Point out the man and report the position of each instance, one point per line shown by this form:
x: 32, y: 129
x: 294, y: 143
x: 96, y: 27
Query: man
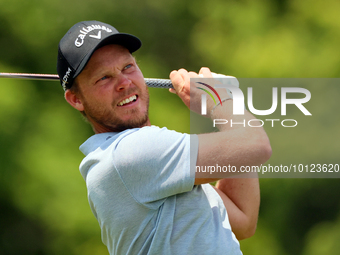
x: 139, y: 177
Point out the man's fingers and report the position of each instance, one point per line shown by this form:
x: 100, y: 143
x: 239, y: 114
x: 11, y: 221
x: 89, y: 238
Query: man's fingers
x: 181, y: 82
x: 176, y: 79
x: 179, y: 79
x: 193, y: 74
x: 171, y: 90
x: 185, y: 76
x: 205, y: 71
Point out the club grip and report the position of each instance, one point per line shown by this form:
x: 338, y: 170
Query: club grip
x: 158, y: 83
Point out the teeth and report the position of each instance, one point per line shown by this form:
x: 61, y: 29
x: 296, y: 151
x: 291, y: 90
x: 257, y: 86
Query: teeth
x: 128, y: 100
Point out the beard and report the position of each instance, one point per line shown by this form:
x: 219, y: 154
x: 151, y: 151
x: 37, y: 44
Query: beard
x: 109, y: 119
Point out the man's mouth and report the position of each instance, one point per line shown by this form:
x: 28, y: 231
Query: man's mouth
x: 128, y: 100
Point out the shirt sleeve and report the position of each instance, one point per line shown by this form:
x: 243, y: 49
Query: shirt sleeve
x: 156, y: 163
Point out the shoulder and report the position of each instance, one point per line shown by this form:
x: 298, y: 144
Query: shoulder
x: 133, y: 138
x: 155, y: 131
x: 151, y: 141
x: 150, y: 136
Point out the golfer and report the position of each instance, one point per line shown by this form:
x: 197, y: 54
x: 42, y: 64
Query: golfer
x: 141, y: 180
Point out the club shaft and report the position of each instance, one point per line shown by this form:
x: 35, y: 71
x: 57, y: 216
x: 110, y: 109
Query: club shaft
x: 150, y: 82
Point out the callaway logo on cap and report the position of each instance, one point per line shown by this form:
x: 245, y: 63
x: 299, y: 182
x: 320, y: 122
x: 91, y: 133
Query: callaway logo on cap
x: 81, y: 41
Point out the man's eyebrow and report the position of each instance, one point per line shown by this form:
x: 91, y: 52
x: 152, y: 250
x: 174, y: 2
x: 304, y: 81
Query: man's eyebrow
x: 130, y: 57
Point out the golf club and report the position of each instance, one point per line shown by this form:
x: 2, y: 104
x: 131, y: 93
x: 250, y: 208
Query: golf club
x: 150, y: 82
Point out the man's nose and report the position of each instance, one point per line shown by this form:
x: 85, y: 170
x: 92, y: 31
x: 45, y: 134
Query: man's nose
x: 123, y: 83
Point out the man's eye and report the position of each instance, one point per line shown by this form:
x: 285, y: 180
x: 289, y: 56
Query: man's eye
x: 128, y: 66
x: 101, y: 79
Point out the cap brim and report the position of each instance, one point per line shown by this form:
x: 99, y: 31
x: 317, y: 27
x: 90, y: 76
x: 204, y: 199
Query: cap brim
x: 132, y: 43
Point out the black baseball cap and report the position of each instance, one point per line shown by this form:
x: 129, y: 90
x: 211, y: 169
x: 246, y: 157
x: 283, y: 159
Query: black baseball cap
x: 81, y: 41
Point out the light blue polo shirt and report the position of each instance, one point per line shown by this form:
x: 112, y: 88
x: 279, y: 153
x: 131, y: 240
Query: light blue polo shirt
x: 142, y: 193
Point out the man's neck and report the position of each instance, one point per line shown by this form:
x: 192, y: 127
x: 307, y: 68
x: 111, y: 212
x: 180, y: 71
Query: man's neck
x: 98, y: 128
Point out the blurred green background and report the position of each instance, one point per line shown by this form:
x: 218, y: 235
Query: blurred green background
x: 43, y: 203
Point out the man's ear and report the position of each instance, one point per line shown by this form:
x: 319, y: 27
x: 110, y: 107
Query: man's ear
x: 74, y: 100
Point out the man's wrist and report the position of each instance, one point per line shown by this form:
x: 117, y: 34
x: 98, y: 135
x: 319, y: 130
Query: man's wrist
x: 219, y: 103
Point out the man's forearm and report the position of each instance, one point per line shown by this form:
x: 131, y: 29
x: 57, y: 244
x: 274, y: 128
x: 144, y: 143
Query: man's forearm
x: 237, y: 146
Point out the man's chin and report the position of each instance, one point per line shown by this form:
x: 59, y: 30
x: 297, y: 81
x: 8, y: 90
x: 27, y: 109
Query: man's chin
x: 113, y: 122
x: 121, y: 125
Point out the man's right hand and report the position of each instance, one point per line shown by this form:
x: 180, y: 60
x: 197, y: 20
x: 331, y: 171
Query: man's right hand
x: 181, y: 81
